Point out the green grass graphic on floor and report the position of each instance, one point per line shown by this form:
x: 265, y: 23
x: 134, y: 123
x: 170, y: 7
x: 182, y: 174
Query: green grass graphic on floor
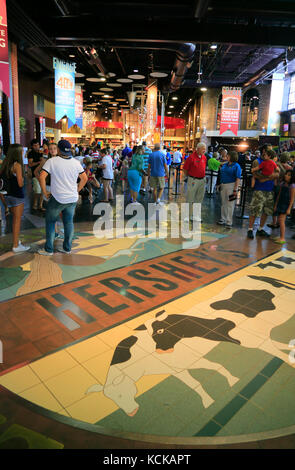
x: 173, y: 409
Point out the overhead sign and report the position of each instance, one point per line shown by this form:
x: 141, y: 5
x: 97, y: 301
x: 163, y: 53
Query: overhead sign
x: 4, y: 61
x: 108, y: 125
x: 230, y: 111
x: 64, y: 90
x: 79, y: 106
x: 151, y: 111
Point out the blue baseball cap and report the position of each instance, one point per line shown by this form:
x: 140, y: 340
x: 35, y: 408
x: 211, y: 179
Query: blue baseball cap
x: 65, y: 148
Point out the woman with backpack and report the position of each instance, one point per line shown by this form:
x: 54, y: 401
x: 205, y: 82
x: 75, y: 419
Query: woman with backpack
x: 12, y: 174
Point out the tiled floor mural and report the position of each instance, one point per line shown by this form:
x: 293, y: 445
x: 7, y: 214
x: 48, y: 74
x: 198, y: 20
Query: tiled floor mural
x: 214, y: 361
x: 30, y: 272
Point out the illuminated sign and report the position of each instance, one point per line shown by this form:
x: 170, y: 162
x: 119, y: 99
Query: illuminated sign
x: 79, y: 107
x: 64, y: 91
x: 4, y: 61
x: 275, y: 105
x: 230, y: 111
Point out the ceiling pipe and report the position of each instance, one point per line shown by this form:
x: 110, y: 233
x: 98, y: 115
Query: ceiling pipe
x: 184, y: 60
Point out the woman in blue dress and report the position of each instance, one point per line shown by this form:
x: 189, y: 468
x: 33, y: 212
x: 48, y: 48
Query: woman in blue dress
x: 135, y: 173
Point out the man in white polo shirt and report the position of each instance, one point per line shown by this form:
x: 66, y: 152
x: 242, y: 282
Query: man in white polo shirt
x: 64, y: 171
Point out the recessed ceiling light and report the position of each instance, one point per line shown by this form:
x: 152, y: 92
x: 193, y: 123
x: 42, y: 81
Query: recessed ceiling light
x: 135, y: 70
x: 106, y: 89
x: 72, y: 55
x: 98, y: 93
x: 124, y: 80
x: 169, y: 112
x: 115, y: 85
x: 79, y: 75
x: 158, y: 74
x: 204, y: 89
x: 171, y: 106
x: 213, y: 46
x: 175, y: 97
x: 93, y: 79
x: 136, y: 77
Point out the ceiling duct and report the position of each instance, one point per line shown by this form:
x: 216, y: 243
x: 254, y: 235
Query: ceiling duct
x: 131, y: 98
x: 184, y: 60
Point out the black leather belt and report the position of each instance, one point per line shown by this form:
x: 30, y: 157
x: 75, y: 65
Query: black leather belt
x: 196, y: 178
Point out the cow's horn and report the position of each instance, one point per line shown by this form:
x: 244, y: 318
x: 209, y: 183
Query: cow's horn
x: 149, y: 322
x: 94, y: 388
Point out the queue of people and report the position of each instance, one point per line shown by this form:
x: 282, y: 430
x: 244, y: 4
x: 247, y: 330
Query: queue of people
x: 60, y: 175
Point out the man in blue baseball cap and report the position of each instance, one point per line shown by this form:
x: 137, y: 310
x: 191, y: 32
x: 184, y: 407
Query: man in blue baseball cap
x: 64, y: 172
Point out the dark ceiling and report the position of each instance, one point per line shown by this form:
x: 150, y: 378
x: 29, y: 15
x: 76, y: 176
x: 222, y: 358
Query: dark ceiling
x: 252, y: 39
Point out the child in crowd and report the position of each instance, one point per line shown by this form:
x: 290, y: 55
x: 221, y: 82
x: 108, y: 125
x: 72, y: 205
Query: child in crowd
x: 266, y: 168
x: 285, y: 196
x: 92, y: 181
x: 124, y: 174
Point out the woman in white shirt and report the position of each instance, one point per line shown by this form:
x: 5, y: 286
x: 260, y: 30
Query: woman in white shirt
x: 108, y: 175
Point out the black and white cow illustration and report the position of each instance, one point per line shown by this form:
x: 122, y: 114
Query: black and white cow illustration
x: 176, y: 343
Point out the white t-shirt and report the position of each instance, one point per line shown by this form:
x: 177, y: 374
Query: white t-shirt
x: 108, y: 172
x: 64, y: 173
x: 177, y: 157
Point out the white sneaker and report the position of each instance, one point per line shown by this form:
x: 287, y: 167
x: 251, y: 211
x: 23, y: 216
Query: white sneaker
x: 61, y: 250
x: 20, y: 248
x: 44, y: 252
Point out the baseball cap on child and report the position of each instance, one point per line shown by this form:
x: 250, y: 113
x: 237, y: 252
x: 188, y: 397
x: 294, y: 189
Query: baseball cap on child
x: 65, y: 148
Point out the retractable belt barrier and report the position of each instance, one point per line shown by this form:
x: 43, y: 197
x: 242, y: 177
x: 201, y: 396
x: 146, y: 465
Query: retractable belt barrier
x: 177, y: 167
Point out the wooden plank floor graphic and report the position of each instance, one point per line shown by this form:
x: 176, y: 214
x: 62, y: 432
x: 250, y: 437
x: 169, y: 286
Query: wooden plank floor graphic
x: 216, y: 361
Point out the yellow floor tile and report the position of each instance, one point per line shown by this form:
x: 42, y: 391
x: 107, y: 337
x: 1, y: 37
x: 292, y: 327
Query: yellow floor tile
x: 99, y: 366
x: 114, y: 336
x: 133, y: 324
x: 19, y: 379
x: 92, y: 408
x: 70, y: 387
x: 40, y: 395
x: 87, y: 349
x: 53, y: 365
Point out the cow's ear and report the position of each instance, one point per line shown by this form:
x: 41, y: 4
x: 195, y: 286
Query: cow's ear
x: 141, y: 327
x: 160, y: 313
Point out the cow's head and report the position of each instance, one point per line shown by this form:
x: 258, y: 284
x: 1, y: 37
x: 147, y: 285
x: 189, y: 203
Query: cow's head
x: 158, y: 329
x: 122, y: 391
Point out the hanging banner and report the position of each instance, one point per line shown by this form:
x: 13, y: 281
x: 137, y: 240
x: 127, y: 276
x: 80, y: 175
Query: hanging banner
x: 64, y: 90
x: 151, y: 112
x: 79, y: 106
x: 230, y: 111
x: 171, y: 122
x: 108, y: 125
x: 4, y: 60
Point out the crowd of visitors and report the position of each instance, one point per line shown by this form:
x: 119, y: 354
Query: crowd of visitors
x: 61, y: 174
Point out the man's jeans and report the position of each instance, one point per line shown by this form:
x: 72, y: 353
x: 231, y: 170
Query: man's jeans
x: 53, y: 210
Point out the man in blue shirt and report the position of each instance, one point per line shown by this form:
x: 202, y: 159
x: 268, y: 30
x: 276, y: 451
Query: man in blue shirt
x: 157, y: 169
x: 262, y: 203
x: 126, y: 151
